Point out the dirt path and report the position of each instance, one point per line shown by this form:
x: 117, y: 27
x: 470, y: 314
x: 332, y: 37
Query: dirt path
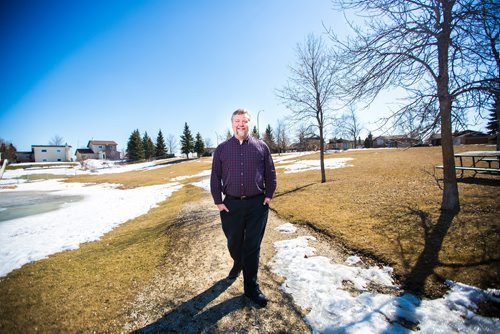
x: 190, y: 295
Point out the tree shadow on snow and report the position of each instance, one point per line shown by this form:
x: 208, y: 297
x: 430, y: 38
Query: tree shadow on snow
x: 190, y: 317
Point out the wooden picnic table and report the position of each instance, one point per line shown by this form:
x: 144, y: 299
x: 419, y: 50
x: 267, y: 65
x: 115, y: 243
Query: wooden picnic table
x: 489, y: 157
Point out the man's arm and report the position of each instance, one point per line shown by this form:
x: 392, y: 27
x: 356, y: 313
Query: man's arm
x: 215, y: 181
x: 270, y: 176
x: 216, y: 177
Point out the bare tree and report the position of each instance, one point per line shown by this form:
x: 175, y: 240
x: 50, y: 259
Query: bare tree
x: 410, y: 126
x: 208, y: 143
x: 349, y: 124
x: 419, y: 45
x: 282, y: 139
x: 171, y: 142
x: 311, y: 88
x: 56, y: 140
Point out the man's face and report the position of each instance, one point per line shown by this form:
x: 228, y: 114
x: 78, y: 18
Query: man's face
x: 240, y: 126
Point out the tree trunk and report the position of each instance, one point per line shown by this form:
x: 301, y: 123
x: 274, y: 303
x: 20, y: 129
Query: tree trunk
x: 450, y: 201
x: 322, y: 154
x: 497, y: 107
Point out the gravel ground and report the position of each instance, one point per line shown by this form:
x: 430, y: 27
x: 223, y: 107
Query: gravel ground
x: 189, y: 293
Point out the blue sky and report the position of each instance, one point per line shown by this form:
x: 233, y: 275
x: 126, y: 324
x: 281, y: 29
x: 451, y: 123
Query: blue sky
x: 93, y: 69
x: 100, y: 69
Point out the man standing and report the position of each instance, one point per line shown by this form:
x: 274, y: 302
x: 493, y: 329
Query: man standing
x: 243, y: 170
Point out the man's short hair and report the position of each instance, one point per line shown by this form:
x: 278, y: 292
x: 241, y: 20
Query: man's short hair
x: 241, y: 111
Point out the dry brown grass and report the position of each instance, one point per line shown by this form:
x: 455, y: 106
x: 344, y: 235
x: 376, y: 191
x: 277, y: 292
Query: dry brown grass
x: 88, y: 289
x: 149, y: 177
x: 386, y: 206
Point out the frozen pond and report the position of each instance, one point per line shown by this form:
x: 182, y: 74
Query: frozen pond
x: 18, y: 204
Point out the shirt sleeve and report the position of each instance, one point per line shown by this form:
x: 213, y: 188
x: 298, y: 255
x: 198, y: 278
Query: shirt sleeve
x: 216, y: 177
x: 270, y: 174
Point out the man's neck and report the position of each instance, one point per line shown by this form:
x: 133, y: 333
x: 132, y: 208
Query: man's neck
x: 241, y: 139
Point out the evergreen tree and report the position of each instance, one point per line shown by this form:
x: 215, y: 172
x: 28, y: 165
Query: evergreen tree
x: 161, y: 148
x: 369, y: 141
x: 269, y: 138
x: 255, y: 133
x: 8, y: 151
x: 228, y: 134
x: 492, y: 125
x: 187, y: 141
x: 199, y: 145
x: 149, y: 147
x: 135, y: 149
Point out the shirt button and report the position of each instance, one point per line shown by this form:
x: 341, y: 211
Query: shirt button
x: 241, y: 174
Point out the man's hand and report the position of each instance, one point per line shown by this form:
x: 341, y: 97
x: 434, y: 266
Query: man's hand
x: 266, y: 201
x: 222, y: 207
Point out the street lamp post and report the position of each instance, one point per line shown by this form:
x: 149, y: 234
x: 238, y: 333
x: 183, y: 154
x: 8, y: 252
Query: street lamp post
x: 258, y: 128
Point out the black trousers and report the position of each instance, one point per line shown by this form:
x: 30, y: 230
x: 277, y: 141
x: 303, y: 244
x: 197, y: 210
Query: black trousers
x: 244, y: 227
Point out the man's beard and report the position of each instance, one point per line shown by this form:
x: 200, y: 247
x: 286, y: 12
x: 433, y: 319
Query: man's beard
x: 241, y: 134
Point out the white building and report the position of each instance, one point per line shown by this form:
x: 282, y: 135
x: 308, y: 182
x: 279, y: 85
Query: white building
x: 51, y: 153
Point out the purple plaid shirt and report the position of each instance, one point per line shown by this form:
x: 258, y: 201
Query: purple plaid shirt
x: 245, y: 169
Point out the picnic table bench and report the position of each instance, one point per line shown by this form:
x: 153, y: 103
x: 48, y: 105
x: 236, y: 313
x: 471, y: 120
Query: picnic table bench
x: 492, y: 158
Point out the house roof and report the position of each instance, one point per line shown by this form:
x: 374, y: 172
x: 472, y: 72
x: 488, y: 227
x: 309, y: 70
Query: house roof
x: 102, y: 142
x: 469, y: 133
x: 84, y: 151
x: 50, y: 146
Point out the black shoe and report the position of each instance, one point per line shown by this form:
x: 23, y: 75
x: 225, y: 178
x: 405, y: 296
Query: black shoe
x: 234, y: 273
x: 257, y: 297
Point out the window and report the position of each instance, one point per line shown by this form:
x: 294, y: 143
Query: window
x: 58, y: 159
x: 44, y: 151
x: 58, y: 150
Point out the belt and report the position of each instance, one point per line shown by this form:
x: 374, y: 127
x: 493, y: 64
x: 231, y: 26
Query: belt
x: 243, y: 197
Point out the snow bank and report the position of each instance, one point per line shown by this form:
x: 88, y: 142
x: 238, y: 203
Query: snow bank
x: 104, y: 207
x: 339, y: 298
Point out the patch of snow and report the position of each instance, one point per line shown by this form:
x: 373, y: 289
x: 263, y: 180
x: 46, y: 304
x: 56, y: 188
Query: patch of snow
x: 278, y: 158
x: 104, y: 207
x: 204, y: 184
x: 318, y: 285
x: 89, y: 166
x: 200, y: 174
x: 296, y: 166
x: 352, y: 260
x: 286, y: 228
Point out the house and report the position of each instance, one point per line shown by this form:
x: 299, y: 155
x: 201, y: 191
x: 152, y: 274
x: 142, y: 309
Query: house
x: 25, y: 156
x: 340, y: 144
x: 394, y: 141
x: 98, y: 149
x: 307, y: 144
x: 51, y: 153
x: 435, y: 139
x: 465, y: 137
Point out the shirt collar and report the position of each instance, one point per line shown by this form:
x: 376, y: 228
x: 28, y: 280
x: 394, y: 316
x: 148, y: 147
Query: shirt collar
x: 244, y: 141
